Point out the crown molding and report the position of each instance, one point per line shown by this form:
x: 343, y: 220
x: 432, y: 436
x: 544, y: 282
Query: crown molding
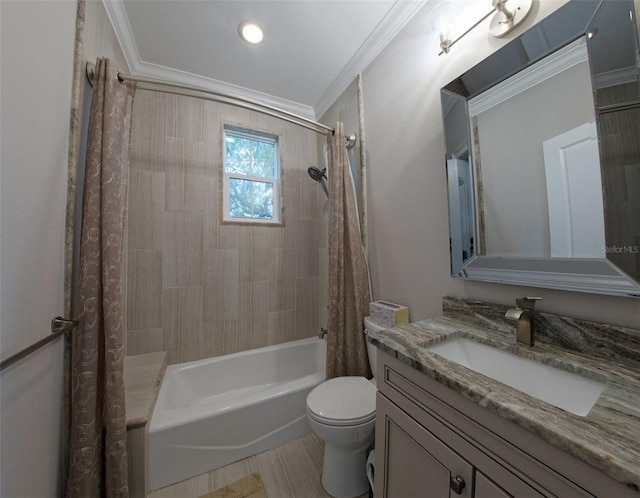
x: 546, y: 68
x: 120, y: 22
x: 195, y: 80
x: 616, y: 77
x: 397, y: 17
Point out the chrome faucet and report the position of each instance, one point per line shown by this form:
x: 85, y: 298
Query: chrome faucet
x: 523, y: 314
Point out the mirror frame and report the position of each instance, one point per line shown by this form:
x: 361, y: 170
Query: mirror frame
x: 592, y: 275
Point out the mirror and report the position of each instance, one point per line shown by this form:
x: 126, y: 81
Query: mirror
x: 542, y: 143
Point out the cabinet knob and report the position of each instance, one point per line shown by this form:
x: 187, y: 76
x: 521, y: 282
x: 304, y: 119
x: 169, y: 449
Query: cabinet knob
x: 457, y: 484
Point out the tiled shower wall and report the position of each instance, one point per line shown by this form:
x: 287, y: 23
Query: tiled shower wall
x: 620, y: 141
x: 198, y: 288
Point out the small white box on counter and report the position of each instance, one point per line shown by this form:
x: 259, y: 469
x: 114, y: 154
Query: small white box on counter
x: 388, y: 314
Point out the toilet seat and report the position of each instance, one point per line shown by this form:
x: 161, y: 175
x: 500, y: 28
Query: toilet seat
x: 343, y: 401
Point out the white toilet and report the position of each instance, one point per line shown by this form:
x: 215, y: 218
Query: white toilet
x: 342, y: 412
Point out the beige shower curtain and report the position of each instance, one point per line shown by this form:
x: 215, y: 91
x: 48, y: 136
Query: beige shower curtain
x: 348, y: 274
x: 97, y: 446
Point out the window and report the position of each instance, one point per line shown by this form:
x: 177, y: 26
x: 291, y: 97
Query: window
x: 251, y: 176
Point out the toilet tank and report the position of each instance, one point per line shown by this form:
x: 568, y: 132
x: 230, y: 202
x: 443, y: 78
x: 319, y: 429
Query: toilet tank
x: 371, y: 349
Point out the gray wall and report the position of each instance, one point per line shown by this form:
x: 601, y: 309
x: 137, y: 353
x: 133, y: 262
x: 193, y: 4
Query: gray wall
x: 36, y: 80
x: 36, y: 99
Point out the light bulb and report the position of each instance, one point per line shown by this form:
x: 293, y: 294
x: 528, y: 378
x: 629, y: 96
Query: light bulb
x: 251, y: 31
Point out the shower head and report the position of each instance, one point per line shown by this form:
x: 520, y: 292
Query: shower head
x: 318, y: 176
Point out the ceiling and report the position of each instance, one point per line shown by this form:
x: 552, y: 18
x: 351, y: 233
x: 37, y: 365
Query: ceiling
x: 313, y: 49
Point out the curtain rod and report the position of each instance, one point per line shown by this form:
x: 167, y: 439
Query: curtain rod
x: 202, y: 93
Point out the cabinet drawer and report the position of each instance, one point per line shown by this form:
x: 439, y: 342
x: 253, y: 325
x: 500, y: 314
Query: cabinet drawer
x: 486, y: 488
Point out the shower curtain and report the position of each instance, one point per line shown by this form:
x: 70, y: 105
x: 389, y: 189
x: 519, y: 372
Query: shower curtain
x: 348, y: 273
x: 98, y: 432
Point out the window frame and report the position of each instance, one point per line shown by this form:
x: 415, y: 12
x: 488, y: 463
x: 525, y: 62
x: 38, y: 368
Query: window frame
x: 275, y: 182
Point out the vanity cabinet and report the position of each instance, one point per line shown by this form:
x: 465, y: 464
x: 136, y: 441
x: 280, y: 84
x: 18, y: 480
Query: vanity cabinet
x: 434, y: 443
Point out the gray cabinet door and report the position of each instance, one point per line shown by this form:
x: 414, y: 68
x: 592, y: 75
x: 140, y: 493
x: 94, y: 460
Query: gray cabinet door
x: 416, y: 464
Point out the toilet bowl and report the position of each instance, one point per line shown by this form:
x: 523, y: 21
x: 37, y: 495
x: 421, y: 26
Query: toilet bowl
x: 342, y: 412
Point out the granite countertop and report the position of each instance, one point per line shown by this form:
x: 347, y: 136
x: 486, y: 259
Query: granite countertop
x: 606, y: 438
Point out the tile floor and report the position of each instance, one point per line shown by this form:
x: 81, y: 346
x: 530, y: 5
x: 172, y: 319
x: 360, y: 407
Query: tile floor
x: 288, y: 471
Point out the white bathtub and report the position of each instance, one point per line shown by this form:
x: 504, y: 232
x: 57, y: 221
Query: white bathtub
x: 212, y: 412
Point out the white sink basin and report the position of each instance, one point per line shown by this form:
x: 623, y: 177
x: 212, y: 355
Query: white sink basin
x: 569, y: 391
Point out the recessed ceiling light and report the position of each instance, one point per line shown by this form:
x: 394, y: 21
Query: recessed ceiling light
x: 251, y: 31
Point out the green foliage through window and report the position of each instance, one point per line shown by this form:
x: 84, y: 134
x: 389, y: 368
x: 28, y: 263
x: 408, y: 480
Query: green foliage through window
x: 250, y: 199
x: 251, y: 175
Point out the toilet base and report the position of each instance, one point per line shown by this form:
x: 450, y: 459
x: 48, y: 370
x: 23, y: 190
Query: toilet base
x: 344, y: 472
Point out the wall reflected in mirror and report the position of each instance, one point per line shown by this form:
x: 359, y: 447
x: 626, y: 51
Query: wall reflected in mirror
x: 536, y: 151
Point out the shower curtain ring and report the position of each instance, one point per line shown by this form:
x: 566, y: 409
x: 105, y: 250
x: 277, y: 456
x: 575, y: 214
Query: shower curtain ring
x: 350, y: 140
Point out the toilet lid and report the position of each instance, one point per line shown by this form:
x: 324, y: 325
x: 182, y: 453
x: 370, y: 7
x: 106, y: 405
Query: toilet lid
x: 343, y: 401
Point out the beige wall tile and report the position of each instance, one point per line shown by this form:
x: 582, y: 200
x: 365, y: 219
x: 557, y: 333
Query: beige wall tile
x: 245, y: 317
x: 264, y: 244
x: 184, y: 117
x: 306, y: 245
x: 238, y: 237
x: 144, y: 289
x: 307, y: 308
x: 282, y: 294
x: 323, y: 288
x: 229, y: 236
x: 184, y: 175
x: 231, y: 336
x: 283, y: 264
x: 281, y: 327
x: 211, y: 216
x: 182, y: 323
x: 146, y: 209
x: 258, y: 311
x: 213, y: 338
x: 306, y: 198
x: 245, y: 253
x: 289, y: 228
x: 221, y: 280
x: 148, y: 132
x: 212, y: 136
x: 182, y: 249
x: 261, y: 259
x: 144, y: 341
x: 194, y: 167
x: 221, y: 337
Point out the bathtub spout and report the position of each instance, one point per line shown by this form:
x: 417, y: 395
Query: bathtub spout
x: 322, y: 333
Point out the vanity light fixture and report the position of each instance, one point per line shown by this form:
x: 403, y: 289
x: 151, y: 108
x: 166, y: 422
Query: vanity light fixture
x: 507, y: 15
x: 251, y: 31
